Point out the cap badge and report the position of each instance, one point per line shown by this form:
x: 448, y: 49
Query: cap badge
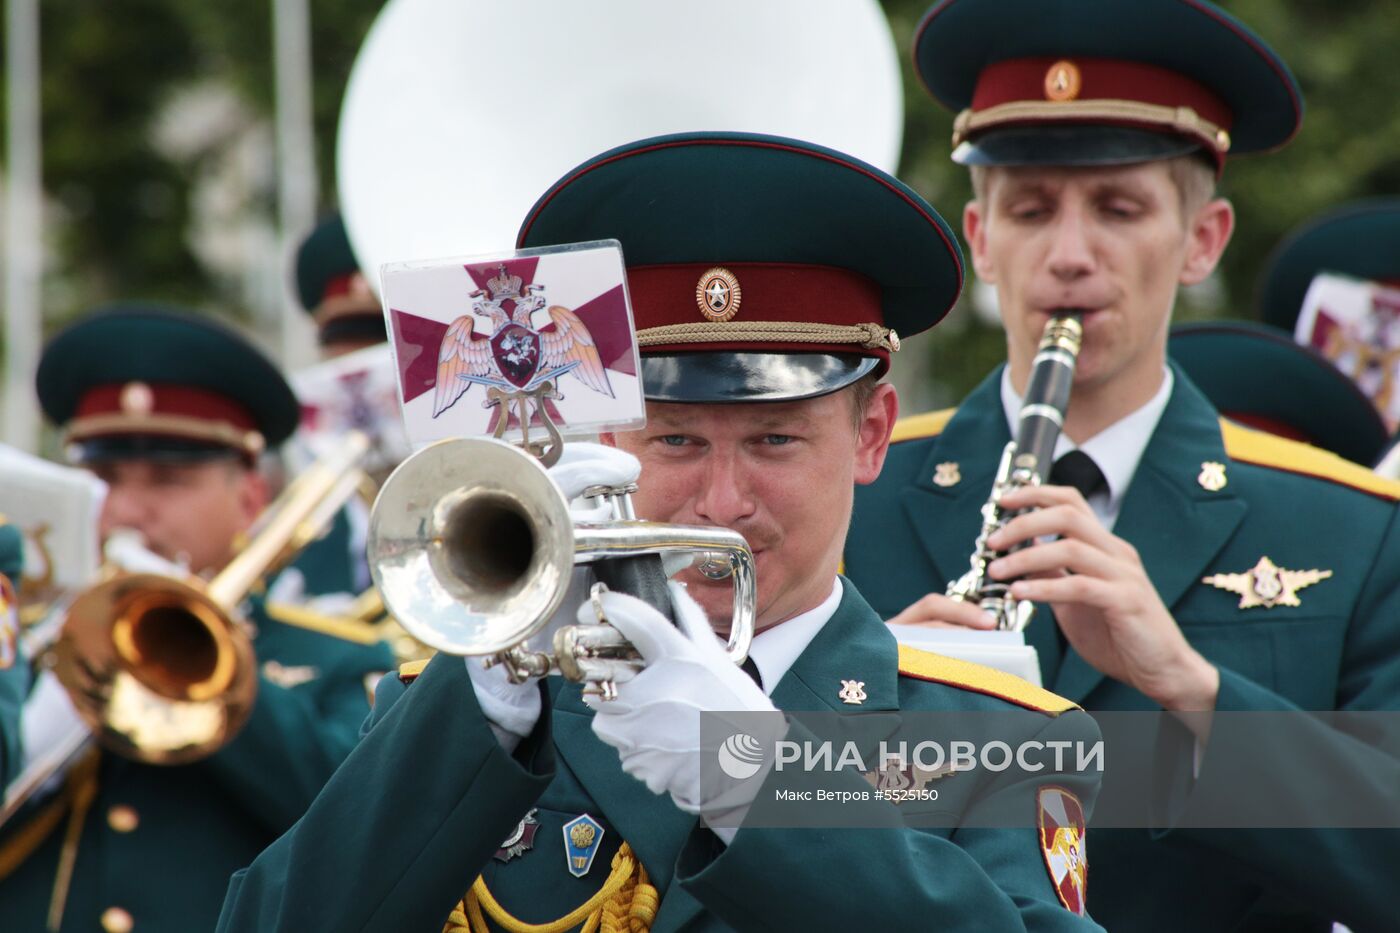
x: 947, y: 474
x: 718, y: 293
x: 1267, y: 584
x: 1063, y: 81
x: 137, y: 399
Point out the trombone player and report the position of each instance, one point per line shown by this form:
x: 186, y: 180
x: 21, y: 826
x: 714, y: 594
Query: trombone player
x: 173, y: 411
x: 762, y: 420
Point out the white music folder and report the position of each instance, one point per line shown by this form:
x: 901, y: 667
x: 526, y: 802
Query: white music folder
x: 1005, y: 651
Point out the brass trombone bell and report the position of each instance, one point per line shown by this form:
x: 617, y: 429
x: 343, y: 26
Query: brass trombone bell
x: 158, y: 671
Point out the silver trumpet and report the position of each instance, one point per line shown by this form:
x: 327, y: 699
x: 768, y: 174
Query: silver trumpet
x: 472, y: 547
x: 1025, y: 461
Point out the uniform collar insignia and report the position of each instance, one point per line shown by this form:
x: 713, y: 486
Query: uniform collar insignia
x: 289, y: 675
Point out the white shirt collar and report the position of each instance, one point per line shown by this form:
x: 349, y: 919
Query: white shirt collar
x: 1117, y: 449
x: 776, y: 649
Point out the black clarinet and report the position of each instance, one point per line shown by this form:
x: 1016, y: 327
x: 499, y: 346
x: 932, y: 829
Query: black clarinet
x: 1026, y: 461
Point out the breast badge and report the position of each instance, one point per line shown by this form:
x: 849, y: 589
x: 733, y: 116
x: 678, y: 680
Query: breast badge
x: 1266, y: 584
x: 520, y: 841
x: 583, y: 835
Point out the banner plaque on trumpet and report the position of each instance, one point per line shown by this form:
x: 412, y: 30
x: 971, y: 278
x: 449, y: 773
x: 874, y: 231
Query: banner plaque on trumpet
x: 488, y: 344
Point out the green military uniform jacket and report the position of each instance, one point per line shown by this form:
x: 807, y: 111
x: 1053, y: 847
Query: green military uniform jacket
x: 417, y: 811
x: 14, y: 673
x: 1338, y: 649
x: 158, y: 843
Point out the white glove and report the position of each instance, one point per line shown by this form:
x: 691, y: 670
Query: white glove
x: 513, y: 709
x: 655, y: 722
x: 581, y: 465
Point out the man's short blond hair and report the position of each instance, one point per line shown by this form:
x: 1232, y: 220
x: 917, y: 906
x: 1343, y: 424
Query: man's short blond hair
x: 860, y: 393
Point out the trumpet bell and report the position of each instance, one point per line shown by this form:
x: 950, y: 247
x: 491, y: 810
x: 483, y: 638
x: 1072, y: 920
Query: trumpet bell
x: 488, y: 562
x: 157, y: 670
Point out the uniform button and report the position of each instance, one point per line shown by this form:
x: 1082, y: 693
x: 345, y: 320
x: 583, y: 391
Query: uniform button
x: 123, y: 819
x: 116, y: 920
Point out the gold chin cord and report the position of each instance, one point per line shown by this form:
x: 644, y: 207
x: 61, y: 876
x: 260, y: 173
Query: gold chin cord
x: 160, y: 668
x: 1025, y: 461
x: 473, y: 547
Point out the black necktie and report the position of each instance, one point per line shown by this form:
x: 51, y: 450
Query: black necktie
x: 1079, y: 470
x: 750, y: 668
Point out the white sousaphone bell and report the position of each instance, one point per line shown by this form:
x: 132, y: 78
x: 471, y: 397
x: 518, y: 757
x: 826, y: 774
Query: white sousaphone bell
x: 458, y: 114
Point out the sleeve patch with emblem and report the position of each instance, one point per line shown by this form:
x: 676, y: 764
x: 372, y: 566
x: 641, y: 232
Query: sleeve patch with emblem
x: 1060, y: 818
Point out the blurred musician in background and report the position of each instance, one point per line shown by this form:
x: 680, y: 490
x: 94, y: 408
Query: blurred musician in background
x: 352, y: 387
x: 173, y: 411
x: 1260, y: 377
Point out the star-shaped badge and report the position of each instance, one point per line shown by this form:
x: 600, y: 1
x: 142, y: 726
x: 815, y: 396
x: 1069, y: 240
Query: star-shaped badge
x: 1267, y: 584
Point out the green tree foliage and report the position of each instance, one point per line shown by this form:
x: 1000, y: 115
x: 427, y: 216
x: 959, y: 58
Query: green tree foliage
x: 121, y: 208
x: 123, y: 219
x: 239, y: 38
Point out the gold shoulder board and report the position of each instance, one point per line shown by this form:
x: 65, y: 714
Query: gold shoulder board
x: 929, y: 424
x: 1268, y: 450
x: 937, y: 668
x: 360, y: 633
x: 409, y: 670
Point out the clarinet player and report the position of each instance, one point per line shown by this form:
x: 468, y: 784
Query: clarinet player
x: 1173, y: 546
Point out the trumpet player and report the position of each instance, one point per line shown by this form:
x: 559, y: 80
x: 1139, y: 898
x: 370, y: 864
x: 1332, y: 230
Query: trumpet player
x: 172, y: 411
x: 1095, y: 134
x: 768, y: 277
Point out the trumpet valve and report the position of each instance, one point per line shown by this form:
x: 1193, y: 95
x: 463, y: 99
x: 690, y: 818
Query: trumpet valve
x: 604, y: 690
x: 617, y: 498
x: 520, y: 664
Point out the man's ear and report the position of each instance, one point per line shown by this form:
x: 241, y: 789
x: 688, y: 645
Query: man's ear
x: 975, y: 232
x: 253, y: 493
x: 873, y: 433
x: 1207, y: 236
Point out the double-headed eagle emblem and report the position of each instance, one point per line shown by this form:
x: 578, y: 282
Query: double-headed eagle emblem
x: 513, y: 340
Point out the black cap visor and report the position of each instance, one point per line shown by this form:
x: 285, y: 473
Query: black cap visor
x: 153, y: 447
x: 1072, y: 146
x: 749, y: 377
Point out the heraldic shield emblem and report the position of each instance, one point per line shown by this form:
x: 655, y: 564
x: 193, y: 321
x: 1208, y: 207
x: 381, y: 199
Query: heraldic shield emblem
x: 1062, y: 826
x: 516, y: 351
